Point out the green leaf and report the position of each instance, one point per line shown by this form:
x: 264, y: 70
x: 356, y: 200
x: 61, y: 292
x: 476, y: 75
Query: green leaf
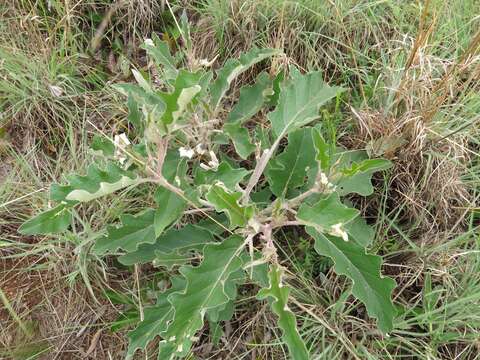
x: 228, y: 202
x: 134, y: 115
x: 286, y: 318
x: 160, y: 52
x: 225, y: 174
x: 363, y: 269
x: 322, y: 150
x: 102, y: 146
x: 95, y: 184
x: 356, y: 172
x: 251, y: 100
x: 51, y: 221
x: 360, y: 231
x: 171, y: 259
x: 326, y: 213
x: 135, y: 230
x: 186, y: 87
x: 288, y: 170
x: 170, y: 208
x: 189, y: 237
x: 155, y: 320
x: 299, y: 103
x: 205, y: 290
x: 233, y: 68
x: 142, y: 82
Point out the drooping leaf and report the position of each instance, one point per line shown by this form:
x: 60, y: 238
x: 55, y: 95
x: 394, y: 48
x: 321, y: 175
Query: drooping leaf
x: 240, y: 139
x: 299, y: 103
x: 288, y: 170
x: 186, y: 87
x: 233, y: 68
x: 95, y: 184
x: 135, y: 230
x: 155, y: 320
x: 228, y: 202
x: 363, y: 269
x: 190, y: 237
x: 225, y: 174
x: 286, y: 318
x: 326, y: 213
x: 205, y: 290
x: 52, y: 221
x: 170, y: 208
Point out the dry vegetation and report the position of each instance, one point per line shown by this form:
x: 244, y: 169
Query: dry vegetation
x: 413, y: 73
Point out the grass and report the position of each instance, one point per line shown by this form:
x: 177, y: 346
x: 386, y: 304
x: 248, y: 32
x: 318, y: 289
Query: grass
x: 412, y: 70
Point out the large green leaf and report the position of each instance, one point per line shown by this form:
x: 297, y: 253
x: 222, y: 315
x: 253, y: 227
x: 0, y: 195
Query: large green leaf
x: 233, y: 68
x: 190, y: 237
x: 228, y: 202
x: 95, y: 184
x: 251, y: 100
x: 363, y: 269
x: 288, y: 170
x: 51, y: 221
x: 286, y: 318
x: 326, y: 213
x: 205, y: 290
x: 299, y: 103
x: 135, y: 230
x: 155, y: 320
x: 160, y: 53
x: 225, y: 173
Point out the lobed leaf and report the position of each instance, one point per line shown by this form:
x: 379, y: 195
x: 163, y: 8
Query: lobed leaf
x: 299, y: 103
x: 190, y: 237
x: 225, y: 174
x: 233, y: 68
x: 363, y: 269
x: 286, y: 318
x: 228, y: 202
x: 170, y: 208
x: 205, y: 290
x: 288, y: 170
x: 95, y: 184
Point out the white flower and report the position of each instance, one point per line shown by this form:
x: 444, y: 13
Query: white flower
x: 214, y: 162
x: 121, y: 142
x: 149, y: 42
x: 337, y: 230
x: 55, y: 90
x: 186, y: 152
x: 324, y: 179
x: 199, y: 149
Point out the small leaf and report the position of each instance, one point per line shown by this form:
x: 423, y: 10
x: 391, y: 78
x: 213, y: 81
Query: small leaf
x: 227, y: 202
x: 299, y: 103
x: 141, y: 81
x: 187, y: 238
x: 135, y: 230
x: 160, y: 52
x: 357, y: 177
x: 170, y: 208
x: 204, y: 291
x: 155, y: 320
x: 225, y: 174
x: 134, y: 115
x: 322, y: 149
x: 364, y: 270
x: 102, y: 145
x: 95, y: 184
x: 240, y: 139
x: 288, y: 170
x: 233, y: 68
x: 326, y: 213
x: 186, y: 87
x: 52, y: 221
x: 286, y: 318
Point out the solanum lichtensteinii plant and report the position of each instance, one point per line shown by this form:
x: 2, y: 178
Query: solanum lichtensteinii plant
x: 182, y: 132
